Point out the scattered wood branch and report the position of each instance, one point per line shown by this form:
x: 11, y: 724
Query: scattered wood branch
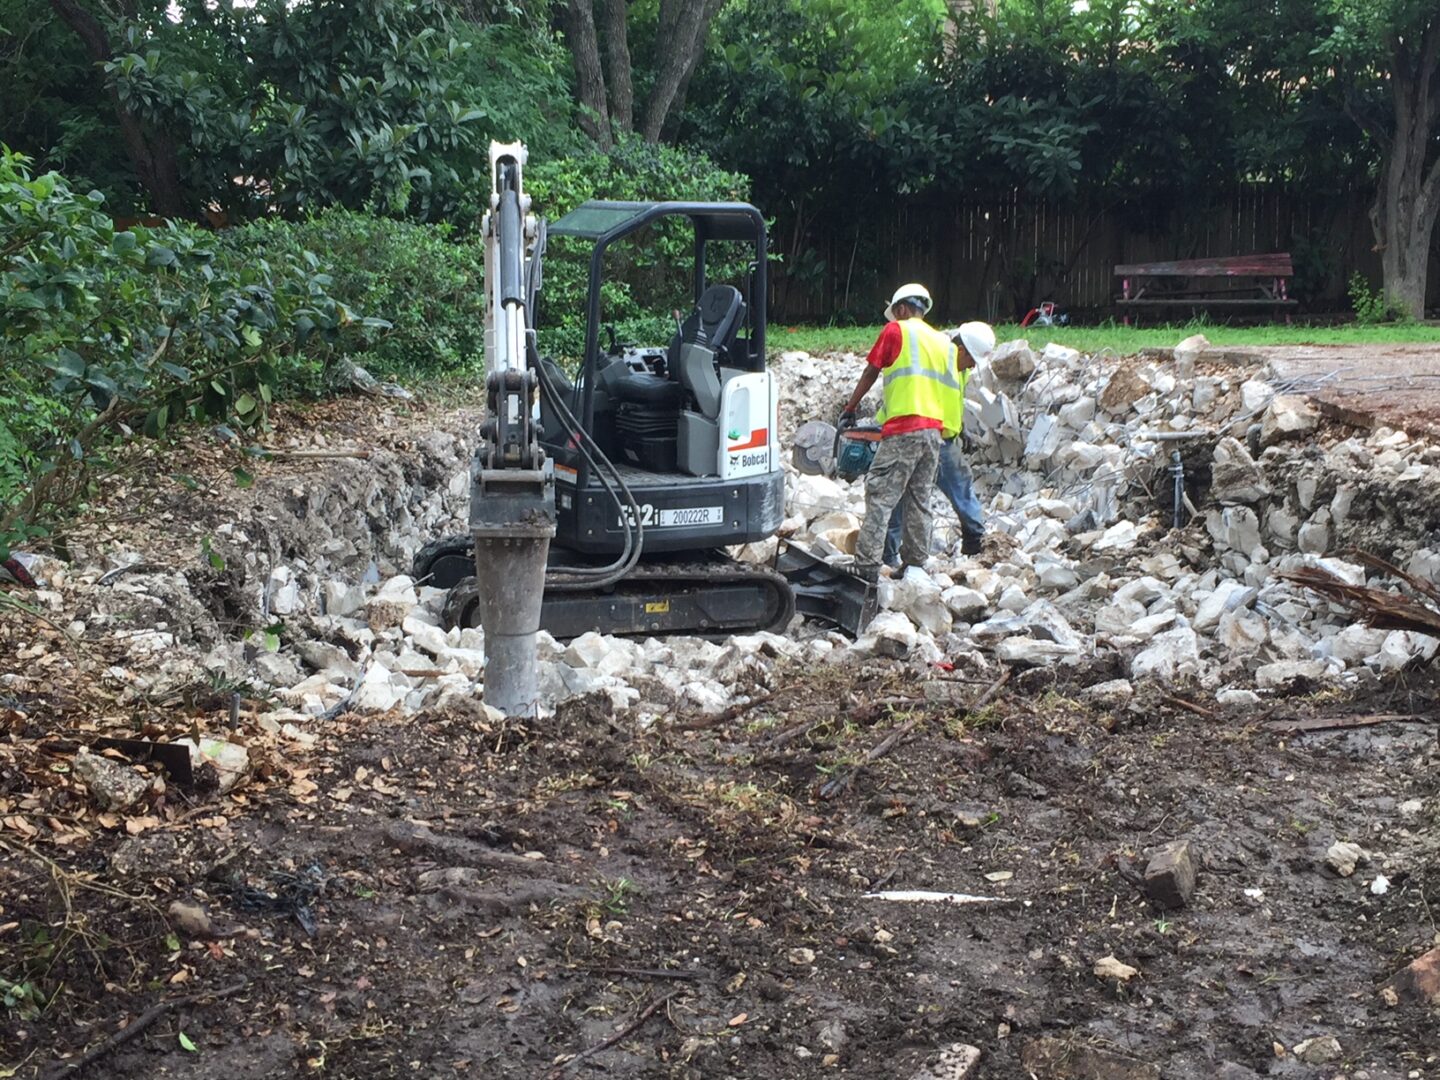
x: 1420, y: 585
x: 1378, y: 608
x: 842, y: 781
x: 624, y: 1033
x: 734, y: 712
x: 134, y: 1030
x: 642, y: 973
x: 455, y: 850
x: 1340, y: 723
x: 315, y: 455
x: 1188, y: 706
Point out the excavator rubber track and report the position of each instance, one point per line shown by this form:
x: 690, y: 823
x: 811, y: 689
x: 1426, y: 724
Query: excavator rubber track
x: 714, y: 596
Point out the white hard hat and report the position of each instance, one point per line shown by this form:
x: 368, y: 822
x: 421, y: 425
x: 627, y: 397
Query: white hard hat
x: 978, y: 339
x: 914, y: 292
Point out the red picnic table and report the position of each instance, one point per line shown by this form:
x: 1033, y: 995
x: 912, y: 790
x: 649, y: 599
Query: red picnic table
x: 1233, y: 281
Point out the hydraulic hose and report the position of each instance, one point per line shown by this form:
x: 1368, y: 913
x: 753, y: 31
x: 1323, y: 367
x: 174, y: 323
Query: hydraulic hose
x: 614, y: 485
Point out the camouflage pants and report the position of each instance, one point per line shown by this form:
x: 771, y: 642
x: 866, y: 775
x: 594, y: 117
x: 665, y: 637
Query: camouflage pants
x: 902, y: 474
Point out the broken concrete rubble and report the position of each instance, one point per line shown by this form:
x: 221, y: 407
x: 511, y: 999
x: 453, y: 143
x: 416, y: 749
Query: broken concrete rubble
x: 1170, y: 875
x: 115, y: 785
x: 1070, y: 457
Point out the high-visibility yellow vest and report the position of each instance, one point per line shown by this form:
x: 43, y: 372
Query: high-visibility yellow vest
x: 923, y: 380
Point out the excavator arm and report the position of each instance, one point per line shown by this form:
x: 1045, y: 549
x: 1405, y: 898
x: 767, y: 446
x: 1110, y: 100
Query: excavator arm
x: 512, y: 493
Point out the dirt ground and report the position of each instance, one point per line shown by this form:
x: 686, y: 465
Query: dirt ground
x: 444, y: 896
x: 1366, y: 385
x: 488, y: 900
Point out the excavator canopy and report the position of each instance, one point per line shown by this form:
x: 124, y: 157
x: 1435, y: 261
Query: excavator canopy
x: 605, y: 221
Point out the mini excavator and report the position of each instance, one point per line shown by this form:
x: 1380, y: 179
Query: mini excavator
x: 606, y: 502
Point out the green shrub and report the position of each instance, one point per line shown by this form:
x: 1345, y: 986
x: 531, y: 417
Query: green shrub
x: 105, y: 332
x: 428, y: 283
x: 1373, y: 308
x: 647, y: 275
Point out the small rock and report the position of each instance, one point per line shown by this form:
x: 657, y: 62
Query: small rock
x: 282, y: 592
x: 1013, y: 360
x: 957, y: 1061
x: 890, y: 633
x: 191, y: 919
x: 277, y: 669
x: 1318, y: 1051
x: 1113, y: 693
x: 1282, y: 673
x: 1028, y: 651
x: 1288, y: 417
x: 1172, y: 655
x: 389, y: 607
x: 1122, y: 391
x: 833, y: 1036
x: 1229, y: 1070
x: 343, y: 599
x: 801, y: 957
x: 1107, y: 967
x: 1235, y: 476
x: 1411, y: 807
x: 1343, y: 857
x: 1419, y: 981
x: 1236, y: 698
x: 230, y: 762
x: 1170, y: 875
x: 322, y: 656
x: 115, y: 786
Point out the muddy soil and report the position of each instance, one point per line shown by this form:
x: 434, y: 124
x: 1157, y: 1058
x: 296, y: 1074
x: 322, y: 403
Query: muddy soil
x: 446, y: 896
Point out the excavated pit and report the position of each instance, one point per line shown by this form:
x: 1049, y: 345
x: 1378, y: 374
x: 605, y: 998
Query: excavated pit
x: 298, y: 589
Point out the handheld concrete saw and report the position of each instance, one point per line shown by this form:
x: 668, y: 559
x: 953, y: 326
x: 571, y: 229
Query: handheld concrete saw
x: 822, y: 450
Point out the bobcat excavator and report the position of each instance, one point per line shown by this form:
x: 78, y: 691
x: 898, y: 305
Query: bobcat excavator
x: 605, y: 502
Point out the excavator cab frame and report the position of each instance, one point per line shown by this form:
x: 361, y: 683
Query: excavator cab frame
x: 692, y: 424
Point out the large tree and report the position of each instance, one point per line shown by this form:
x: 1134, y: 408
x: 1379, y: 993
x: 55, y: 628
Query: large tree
x: 605, y: 85
x: 151, y: 151
x: 1394, y: 46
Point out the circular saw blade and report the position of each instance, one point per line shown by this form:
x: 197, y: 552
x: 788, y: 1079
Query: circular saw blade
x: 813, y: 448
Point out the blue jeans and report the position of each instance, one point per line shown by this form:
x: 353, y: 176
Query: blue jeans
x: 955, y: 480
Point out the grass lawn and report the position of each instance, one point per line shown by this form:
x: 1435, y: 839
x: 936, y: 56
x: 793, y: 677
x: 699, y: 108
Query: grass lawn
x: 1124, y: 339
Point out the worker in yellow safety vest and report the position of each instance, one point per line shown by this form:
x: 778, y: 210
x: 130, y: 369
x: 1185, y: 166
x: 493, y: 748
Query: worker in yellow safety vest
x: 924, y: 404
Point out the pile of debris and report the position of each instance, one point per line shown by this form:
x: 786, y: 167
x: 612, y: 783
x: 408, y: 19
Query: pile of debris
x: 1156, y: 508
x: 1149, y: 518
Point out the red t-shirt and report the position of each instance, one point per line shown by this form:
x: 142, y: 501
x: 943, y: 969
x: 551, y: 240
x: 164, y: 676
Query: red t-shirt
x: 882, y: 354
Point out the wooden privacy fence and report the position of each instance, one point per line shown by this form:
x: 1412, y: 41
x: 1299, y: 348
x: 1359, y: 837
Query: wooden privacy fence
x: 997, y: 258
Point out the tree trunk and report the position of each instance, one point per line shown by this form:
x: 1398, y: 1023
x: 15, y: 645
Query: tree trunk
x: 152, y: 156
x: 578, y: 20
x: 1408, y: 199
x: 679, y: 42
x: 617, y: 52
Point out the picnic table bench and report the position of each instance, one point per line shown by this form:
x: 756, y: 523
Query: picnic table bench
x: 1243, y: 280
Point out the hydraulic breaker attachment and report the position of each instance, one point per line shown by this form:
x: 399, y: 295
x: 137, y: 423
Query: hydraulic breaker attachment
x: 512, y: 489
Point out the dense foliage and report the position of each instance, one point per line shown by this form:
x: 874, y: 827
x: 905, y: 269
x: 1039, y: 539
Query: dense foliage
x: 106, y: 332
x: 426, y: 280
x: 277, y: 105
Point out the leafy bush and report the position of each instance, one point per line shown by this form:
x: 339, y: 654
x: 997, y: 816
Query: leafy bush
x: 428, y: 283
x: 646, y: 275
x: 1372, y: 308
x: 103, y: 332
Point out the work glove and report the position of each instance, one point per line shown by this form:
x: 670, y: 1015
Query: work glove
x: 847, y: 419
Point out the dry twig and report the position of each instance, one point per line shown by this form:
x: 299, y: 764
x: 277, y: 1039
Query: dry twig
x: 624, y: 1033
x: 133, y: 1030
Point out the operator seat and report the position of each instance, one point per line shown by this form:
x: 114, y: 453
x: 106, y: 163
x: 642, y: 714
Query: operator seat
x: 717, y: 318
